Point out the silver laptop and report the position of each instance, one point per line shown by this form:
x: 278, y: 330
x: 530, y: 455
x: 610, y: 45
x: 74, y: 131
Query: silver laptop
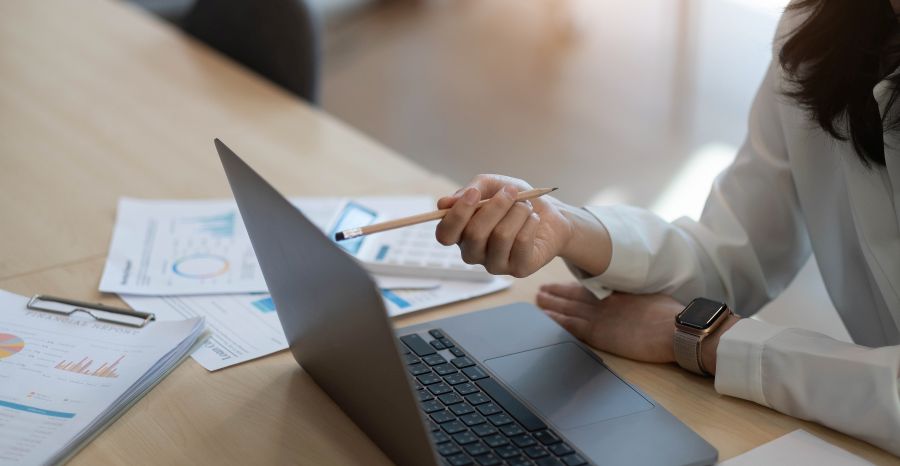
x: 499, y: 386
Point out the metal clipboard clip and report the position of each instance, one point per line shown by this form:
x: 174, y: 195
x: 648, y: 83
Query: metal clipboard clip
x: 100, y: 312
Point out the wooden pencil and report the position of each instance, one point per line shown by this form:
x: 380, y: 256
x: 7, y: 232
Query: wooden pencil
x: 425, y: 217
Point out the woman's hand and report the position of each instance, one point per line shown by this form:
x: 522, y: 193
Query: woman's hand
x: 640, y: 327
x: 518, y: 238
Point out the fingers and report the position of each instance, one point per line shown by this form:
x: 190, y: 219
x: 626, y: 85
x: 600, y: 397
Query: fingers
x: 504, y: 236
x: 520, y: 255
x: 488, y: 185
x: 574, y: 325
x: 565, y: 306
x: 573, y: 291
x: 476, y: 233
x: 450, y: 228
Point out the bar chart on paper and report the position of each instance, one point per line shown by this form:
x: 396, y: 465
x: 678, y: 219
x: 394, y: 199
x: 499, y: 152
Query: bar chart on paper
x: 84, y: 367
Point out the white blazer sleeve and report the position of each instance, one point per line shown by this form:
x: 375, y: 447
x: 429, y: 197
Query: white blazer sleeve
x: 850, y: 388
x: 748, y: 244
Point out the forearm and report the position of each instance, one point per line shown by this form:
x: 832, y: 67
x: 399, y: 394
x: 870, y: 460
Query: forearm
x: 589, y: 248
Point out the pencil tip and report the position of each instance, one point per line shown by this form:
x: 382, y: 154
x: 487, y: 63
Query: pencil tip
x: 553, y: 189
x: 339, y: 236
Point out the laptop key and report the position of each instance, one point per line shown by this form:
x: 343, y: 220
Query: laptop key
x: 455, y: 378
x: 476, y: 449
x: 474, y: 373
x: 453, y: 427
x: 495, y: 440
x: 511, y: 430
x: 436, y: 344
x: 417, y: 345
x: 434, y: 359
x: 418, y: 369
x: 459, y: 460
x: 440, y: 437
x: 466, y: 388
x: 432, y: 426
x: 431, y: 406
x: 450, y: 398
x: 573, y: 460
x: 536, y: 452
x: 428, y: 379
x: 457, y: 352
x: 424, y: 395
x: 546, y: 437
x: 488, y: 460
x: 514, y: 407
x: 519, y: 461
x: 507, y: 451
x: 549, y: 461
x: 410, y: 358
x: 444, y: 369
x: 477, y: 399
x: 462, y: 362
x: 436, y: 333
x: 472, y: 419
x: 488, y: 409
x: 446, y: 342
x: 447, y: 449
x: 439, y: 388
x: 500, y: 419
x: 461, y: 409
x: 463, y: 438
x: 483, y: 430
x: 561, y: 449
x: 442, y: 416
x: 523, y: 440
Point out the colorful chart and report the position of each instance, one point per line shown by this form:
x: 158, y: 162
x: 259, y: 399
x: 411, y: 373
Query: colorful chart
x: 264, y: 305
x: 200, y: 266
x: 216, y: 225
x: 83, y: 367
x: 10, y: 345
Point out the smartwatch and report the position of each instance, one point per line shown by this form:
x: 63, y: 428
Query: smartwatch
x: 697, y: 321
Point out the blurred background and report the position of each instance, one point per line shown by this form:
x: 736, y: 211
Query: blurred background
x: 614, y: 101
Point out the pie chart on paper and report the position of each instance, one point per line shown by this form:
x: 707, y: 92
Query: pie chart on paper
x: 10, y: 345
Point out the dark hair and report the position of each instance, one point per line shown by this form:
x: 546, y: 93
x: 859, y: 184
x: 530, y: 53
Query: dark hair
x: 834, y: 59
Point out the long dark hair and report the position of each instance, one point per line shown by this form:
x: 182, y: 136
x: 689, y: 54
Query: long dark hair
x: 834, y: 59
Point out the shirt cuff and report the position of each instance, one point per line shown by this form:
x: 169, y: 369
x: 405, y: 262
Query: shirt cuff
x: 629, y: 261
x: 739, y: 359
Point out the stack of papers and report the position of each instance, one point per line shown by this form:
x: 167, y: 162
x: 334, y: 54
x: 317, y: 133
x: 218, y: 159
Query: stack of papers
x: 63, y: 379
x: 797, y: 447
x: 184, y: 259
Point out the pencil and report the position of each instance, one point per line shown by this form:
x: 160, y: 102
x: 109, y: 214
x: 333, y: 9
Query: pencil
x: 425, y: 217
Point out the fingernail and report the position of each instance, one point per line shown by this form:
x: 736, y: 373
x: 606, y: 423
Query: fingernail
x: 471, y: 196
x: 511, y: 191
x: 528, y: 203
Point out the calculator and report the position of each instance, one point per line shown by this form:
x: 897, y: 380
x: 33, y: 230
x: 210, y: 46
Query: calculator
x: 407, y: 252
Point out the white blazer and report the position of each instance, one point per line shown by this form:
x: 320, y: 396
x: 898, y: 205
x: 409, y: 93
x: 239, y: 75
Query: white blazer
x: 792, y: 190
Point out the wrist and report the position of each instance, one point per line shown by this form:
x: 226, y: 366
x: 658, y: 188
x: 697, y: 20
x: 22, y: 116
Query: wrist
x: 710, y: 344
x: 589, y: 246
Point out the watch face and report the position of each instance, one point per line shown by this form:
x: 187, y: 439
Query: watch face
x: 701, y: 313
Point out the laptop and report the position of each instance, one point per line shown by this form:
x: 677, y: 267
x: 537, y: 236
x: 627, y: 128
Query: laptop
x: 500, y: 386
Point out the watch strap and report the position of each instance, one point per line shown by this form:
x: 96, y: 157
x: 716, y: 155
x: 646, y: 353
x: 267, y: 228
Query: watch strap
x: 687, y: 351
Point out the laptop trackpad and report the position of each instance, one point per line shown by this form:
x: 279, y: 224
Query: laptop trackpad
x: 567, y: 386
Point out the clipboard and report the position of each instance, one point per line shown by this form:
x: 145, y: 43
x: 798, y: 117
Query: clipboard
x: 100, y: 312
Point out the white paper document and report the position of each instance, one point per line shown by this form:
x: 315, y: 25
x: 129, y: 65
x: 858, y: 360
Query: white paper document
x: 63, y: 379
x: 797, y: 447
x: 179, y: 248
x: 242, y: 326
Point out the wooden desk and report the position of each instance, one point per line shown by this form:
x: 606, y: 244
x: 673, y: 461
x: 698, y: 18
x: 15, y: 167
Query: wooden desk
x: 98, y: 101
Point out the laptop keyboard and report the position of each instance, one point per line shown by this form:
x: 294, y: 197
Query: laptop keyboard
x: 473, y: 420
